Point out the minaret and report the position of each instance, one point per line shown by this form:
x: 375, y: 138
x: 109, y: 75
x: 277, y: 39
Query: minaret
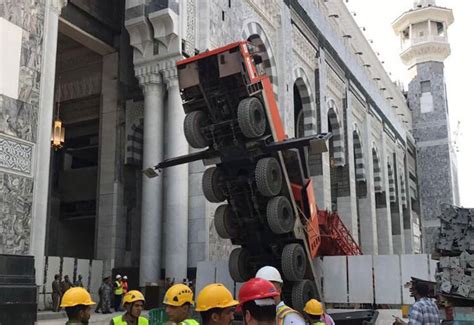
x: 424, y: 45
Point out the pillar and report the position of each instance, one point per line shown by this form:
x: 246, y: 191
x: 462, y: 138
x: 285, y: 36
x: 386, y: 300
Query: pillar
x: 367, y: 212
x: 151, y: 221
x: 45, y: 122
x: 384, y: 222
x: 176, y: 181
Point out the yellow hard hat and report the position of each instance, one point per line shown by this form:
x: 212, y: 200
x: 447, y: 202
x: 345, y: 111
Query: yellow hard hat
x: 76, y: 296
x: 313, y: 307
x: 214, y: 295
x: 178, y: 295
x: 132, y: 296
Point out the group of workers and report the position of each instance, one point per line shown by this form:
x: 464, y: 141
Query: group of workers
x: 259, y: 300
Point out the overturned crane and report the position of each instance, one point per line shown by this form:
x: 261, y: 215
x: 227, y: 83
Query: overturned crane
x: 271, y: 210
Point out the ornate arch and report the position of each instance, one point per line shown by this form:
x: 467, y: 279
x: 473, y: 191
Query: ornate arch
x: 337, y: 133
x: 309, y: 109
x: 378, y: 188
x: 135, y: 144
x: 254, y: 33
x: 359, y: 155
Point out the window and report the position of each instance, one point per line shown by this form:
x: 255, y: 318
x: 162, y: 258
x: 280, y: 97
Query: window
x: 440, y: 28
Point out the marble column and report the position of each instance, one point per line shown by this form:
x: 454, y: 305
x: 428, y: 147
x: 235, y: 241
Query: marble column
x: 151, y: 222
x: 176, y: 182
x: 384, y: 222
x: 43, y: 147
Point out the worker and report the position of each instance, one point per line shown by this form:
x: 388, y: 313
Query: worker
x: 424, y: 311
x: 285, y: 314
x: 325, y: 318
x: 216, y: 305
x: 77, y: 302
x: 133, y: 302
x: 125, y: 284
x: 257, y: 302
x: 118, y: 292
x: 178, y: 301
x: 314, y: 312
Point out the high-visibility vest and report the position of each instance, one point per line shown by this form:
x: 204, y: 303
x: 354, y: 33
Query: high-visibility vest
x: 319, y: 323
x: 118, y: 288
x: 119, y: 321
x: 189, y: 321
x: 282, y: 311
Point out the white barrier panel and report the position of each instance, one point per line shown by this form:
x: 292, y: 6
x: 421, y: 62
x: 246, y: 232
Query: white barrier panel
x: 413, y: 266
x: 205, y: 274
x: 83, y: 269
x: 433, y: 267
x: 387, y: 279
x: 96, y: 278
x: 335, y: 279
x: 223, y: 275
x: 68, y: 267
x: 53, y: 268
x: 360, y: 279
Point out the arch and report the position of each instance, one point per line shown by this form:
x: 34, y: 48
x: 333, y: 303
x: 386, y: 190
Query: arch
x: 378, y: 188
x: 309, y: 109
x: 358, y: 155
x: 337, y: 129
x: 254, y: 33
x: 391, y: 183
x: 135, y: 144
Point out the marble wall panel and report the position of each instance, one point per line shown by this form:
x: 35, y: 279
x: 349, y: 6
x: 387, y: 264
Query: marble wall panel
x: 15, y: 155
x: 16, y: 194
x: 18, y: 119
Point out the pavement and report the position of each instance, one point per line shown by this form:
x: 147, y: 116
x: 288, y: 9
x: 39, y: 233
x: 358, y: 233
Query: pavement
x: 60, y: 318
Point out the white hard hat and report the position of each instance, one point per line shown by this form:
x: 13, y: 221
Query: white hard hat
x: 118, y: 276
x: 269, y: 273
x: 125, y: 277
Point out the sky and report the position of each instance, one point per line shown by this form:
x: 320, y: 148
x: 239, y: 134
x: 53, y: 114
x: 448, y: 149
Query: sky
x: 377, y: 15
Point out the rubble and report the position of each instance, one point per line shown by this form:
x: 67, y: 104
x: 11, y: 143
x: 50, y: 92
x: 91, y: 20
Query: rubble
x: 455, y: 248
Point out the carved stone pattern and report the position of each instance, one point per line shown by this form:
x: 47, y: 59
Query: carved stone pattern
x: 303, y: 49
x: 16, y: 195
x: 190, y: 44
x: 269, y: 10
x: 336, y: 87
x: 15, y: 155
x: 148, y: 74
x: 18, y: 119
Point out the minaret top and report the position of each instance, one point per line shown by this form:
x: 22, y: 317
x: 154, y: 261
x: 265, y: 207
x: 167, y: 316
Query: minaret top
x: 423, y: 3
x: 423, y: 33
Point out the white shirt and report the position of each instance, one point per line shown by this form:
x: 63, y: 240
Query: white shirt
x: 291, y: 318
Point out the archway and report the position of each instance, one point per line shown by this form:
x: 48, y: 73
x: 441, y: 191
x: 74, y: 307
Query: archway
x: 304, y: 107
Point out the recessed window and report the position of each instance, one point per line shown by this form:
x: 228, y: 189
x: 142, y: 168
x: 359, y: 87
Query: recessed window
x: 230, y: 3
x: 425, y: 86
x: 440, y: 28
x: 223, y: 15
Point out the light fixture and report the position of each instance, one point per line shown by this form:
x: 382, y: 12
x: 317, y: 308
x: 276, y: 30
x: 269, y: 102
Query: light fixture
x: 358, y: 53
x: 394, y: 106
x: 383, y: 89
x: 57, y: 134
x: 347, y: 36
x: 367, y: 65
x: 333, y: 16
x: 390, y: 98
x: 376, y: 79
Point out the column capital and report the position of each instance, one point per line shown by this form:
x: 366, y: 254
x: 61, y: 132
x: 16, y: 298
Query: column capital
x: 170, y: 71
x: 148, y: 76
x: 58, y: 5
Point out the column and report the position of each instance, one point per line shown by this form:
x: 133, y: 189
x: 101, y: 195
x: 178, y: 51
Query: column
x: 368, y: 219
x: 176, y: 181
x: 151, y: 221
x: 384, y: 222
x: 398, y: 234
x: 110, y: 221
x: 45, y: 121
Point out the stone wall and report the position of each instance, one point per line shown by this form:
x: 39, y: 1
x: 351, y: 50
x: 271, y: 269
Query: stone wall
x: 19, y: 120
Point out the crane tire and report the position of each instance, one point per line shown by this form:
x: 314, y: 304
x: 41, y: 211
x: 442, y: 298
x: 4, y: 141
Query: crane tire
x: 280, y: 215
x: 225, y: 222
x: 268, y: 176
x: 293, y: 262
x: 238, y: 265
x: 251, y: 117
x: 210, y: 185
x: 302, y: 292
x: 193, y: 123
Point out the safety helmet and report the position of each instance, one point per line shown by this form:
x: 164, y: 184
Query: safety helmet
x: 76, y: 296
x: 214, y: 295
x: 269, y: 273
x: 313, y: 307
x: 178, y: 295
x: 125, y: 277
x: 118, y: 276
x: 132, y: 296
x: 256, y: 289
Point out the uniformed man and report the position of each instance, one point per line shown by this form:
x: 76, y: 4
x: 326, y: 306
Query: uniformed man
x: 77, y: 302
x: 56, y: 294
x: 133, y: 303
x: 178, y: 301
